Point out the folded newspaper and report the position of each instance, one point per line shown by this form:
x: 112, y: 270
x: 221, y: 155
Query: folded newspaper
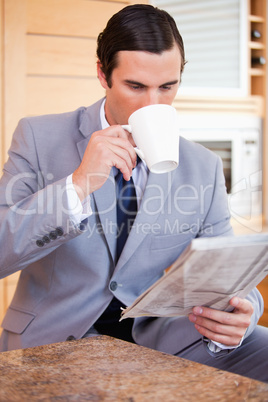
x: 208, y: 273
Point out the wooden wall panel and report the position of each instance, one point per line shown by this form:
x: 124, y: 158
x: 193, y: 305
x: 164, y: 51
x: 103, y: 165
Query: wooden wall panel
x: 14, y: 67
x: 64, y: 56
x: 65, y: 94
x: 61, y: 53
x: 81, y: 18
x: 11, y: 283
x: 263, y: 288
x: 13, y: 13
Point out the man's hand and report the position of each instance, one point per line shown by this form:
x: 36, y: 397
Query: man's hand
x: 110, y: 147
x: 223, y: 327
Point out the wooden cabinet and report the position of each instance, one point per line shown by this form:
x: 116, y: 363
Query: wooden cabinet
x: 263, y: 288
x: 257, y: 47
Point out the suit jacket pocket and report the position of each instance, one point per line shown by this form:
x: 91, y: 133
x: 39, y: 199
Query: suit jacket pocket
x: 161, y: 242
x: 17, y: 320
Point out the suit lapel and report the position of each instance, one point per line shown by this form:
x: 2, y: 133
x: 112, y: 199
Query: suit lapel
x: 104, y: 198
x: 105, y: 201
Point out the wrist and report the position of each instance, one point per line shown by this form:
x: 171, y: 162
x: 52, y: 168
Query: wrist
x: 81, y: 185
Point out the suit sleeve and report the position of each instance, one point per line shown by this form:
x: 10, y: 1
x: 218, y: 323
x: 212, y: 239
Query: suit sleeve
x: 34, y: 216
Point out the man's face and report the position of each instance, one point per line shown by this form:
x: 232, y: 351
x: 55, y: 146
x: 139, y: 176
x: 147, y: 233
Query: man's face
x: 141, y: 79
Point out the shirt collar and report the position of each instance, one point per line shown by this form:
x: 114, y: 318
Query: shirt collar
x: 104, y: 122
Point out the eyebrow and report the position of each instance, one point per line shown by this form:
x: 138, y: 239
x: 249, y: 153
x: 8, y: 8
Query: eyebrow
x: 142, y: 85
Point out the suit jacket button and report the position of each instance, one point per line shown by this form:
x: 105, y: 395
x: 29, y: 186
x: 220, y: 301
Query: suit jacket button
x: 71, y: 338
x: 82, y: 227
x: 53, y: 235
x: 40, y: 243
x: 59, y: 231
x: 46, y: 239
x: 113, y: 285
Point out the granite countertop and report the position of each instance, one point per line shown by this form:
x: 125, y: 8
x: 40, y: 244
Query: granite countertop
x: 107, y: 369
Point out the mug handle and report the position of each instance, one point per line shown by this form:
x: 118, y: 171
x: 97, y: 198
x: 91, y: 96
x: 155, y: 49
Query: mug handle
x: 127, y: 127
x: 137, y: 150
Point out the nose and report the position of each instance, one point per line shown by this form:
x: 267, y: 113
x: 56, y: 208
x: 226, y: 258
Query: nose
x: 151, y: 98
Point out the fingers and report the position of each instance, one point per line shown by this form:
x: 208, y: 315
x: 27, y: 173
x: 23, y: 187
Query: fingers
x: 222, y: 317
x: 241, y: 306
x: 125, y: 156
x: 221, y: 326
x: 219, y: 332
x: 115, y: 131
x: 115, y: 149
x: 106, y: 148
x: 232, y: 339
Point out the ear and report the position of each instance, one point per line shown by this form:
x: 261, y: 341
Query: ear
x: 101, y: 76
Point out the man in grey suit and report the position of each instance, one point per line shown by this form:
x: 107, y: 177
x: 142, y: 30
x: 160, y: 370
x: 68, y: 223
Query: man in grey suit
x: 58, y: 209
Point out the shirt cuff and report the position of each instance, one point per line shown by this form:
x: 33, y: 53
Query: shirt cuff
x: 216, y: 347
x: 78, y: 210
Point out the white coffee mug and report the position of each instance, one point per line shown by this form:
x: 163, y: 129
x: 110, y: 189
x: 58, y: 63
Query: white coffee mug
x: 154, y: 129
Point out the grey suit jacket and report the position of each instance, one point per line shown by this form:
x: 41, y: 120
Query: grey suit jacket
x: 68, y: 275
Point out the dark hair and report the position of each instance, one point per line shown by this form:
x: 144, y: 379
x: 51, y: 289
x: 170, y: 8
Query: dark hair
x: 137, y: 27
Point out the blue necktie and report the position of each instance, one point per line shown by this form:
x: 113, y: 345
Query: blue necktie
x: 126, y: 209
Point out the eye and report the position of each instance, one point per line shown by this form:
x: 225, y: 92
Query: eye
x: 136, y: 86
x: 166, y: 87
